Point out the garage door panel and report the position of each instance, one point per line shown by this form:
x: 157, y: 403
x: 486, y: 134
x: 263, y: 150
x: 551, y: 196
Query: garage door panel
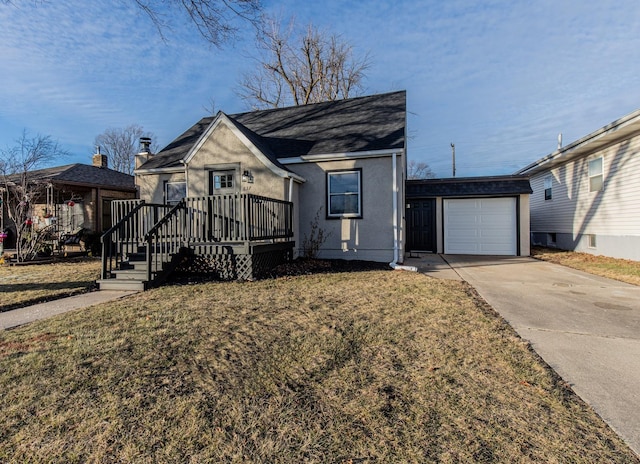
x: 480, y: 226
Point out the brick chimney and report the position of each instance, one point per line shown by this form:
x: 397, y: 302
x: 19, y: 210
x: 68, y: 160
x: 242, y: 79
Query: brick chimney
x: 100, y: 160
x: 145, y: 151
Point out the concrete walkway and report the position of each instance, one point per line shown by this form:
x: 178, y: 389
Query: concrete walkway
x: 587, y: 328
x: 18, y: 317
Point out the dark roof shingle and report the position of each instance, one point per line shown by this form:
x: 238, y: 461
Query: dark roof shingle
x: 469, y: 186
x: 371, y: 123
x: 86, y: 175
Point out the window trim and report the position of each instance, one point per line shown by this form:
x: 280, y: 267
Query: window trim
x: 328, y: 195
x: 594, y: 176
x: 222, y: 190
x: 166, y: 191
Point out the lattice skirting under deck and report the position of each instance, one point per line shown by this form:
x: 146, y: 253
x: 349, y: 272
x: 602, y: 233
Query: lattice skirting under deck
x: 230, y: 264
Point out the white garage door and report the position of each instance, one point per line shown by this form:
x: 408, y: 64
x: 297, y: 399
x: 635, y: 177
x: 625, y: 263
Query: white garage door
x: 480, y: 226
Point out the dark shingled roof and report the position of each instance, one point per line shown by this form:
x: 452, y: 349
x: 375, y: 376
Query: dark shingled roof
x: 376, y: 122
x: 84, y: 174
x: 468, y: 187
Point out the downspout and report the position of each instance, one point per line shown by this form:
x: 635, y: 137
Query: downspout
x: 186, y: 176
x: 290, y: 188
x: 396, y: 246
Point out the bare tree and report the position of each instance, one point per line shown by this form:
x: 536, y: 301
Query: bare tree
x: 121, y: 145
x: 216, y: 20
x: 297, y: 68
x: 22, y: 190
x: 420, y: 170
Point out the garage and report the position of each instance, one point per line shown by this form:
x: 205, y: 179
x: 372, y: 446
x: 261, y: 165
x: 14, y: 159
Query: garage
x: 471, y: 216
x: 480, y: 226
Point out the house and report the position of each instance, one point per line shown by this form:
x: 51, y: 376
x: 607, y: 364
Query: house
x: 74, y: 196
x: 245, y: 190
x: 474, y: 216
x: 586, y: 195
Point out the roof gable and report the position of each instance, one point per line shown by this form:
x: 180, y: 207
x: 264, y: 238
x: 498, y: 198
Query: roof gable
x: 353, y: 125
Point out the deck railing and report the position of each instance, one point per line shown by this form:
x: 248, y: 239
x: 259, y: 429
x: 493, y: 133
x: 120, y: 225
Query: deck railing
x: 238, y: 218
x: 208, y: 219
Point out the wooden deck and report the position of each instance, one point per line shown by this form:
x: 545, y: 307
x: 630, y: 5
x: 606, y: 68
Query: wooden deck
x: 234, y: 236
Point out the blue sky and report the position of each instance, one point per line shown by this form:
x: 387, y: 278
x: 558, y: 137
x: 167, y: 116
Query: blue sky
x: 499, y: 78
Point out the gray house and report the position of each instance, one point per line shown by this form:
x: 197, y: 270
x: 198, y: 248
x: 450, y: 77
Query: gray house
x: 254, y: 187
x: 586, y: 195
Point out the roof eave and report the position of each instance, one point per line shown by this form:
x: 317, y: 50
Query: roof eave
x: 588, y: 144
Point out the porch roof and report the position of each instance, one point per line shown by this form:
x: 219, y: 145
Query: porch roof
x: 84, y: 175
x: 353, y: 125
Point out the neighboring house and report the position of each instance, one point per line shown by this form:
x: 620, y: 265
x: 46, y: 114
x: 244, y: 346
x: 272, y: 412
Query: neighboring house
x: 262, y: 178
x: 74, y: 197
x: 475, y: 216
x: 586, y: 195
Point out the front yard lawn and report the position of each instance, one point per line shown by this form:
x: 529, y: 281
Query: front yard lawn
x: 363, y: 367
x: 29, y: 284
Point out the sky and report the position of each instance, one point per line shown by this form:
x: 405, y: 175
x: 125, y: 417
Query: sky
x: 500, y: 79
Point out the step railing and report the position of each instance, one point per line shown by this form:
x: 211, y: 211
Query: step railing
x: 133, y: 219
x: 165, y: 240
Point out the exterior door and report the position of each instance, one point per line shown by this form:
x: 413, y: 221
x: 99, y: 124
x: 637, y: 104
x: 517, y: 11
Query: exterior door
x: 421, y: 225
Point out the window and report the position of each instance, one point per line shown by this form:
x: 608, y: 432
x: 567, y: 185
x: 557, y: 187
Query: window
x: 344, y: 196
x: 592, y: 240
x: 220, y: 181
x: 174, y: 192
x: 548, y: 182
x: 595, y: 175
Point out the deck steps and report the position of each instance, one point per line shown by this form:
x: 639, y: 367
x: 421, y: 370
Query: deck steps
x: 132, y: 274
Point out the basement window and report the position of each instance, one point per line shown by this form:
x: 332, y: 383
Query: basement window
x: 595, y: 175
x: 592, y: 240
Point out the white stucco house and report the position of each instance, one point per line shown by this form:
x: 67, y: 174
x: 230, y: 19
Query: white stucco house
x: 586, y: 195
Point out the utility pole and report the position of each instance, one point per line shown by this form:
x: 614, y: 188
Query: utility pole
x: 453, y: 156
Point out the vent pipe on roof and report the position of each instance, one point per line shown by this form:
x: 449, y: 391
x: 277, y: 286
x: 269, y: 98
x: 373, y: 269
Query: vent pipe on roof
x: 559, y: 140
x: 145, y: 152
x: 145, y: 145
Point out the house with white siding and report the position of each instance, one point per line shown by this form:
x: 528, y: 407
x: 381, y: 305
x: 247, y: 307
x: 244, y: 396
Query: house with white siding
x: 586, y: 195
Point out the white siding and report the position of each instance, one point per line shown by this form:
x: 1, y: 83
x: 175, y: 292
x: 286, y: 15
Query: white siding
x: 614, y: 211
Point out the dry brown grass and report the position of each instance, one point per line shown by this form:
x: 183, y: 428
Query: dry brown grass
x: 30, y: 284
x: 365, y: 367
x: 623, y: 270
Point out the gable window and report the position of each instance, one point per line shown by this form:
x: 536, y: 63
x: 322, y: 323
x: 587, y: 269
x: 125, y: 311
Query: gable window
x: 595, y: 175
x: 174, y: 192
x: 344, y: 194
x: 221, y: 181
x: 548, y: 182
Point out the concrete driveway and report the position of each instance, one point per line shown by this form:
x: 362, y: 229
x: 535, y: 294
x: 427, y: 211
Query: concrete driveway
x: 585, y: 327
